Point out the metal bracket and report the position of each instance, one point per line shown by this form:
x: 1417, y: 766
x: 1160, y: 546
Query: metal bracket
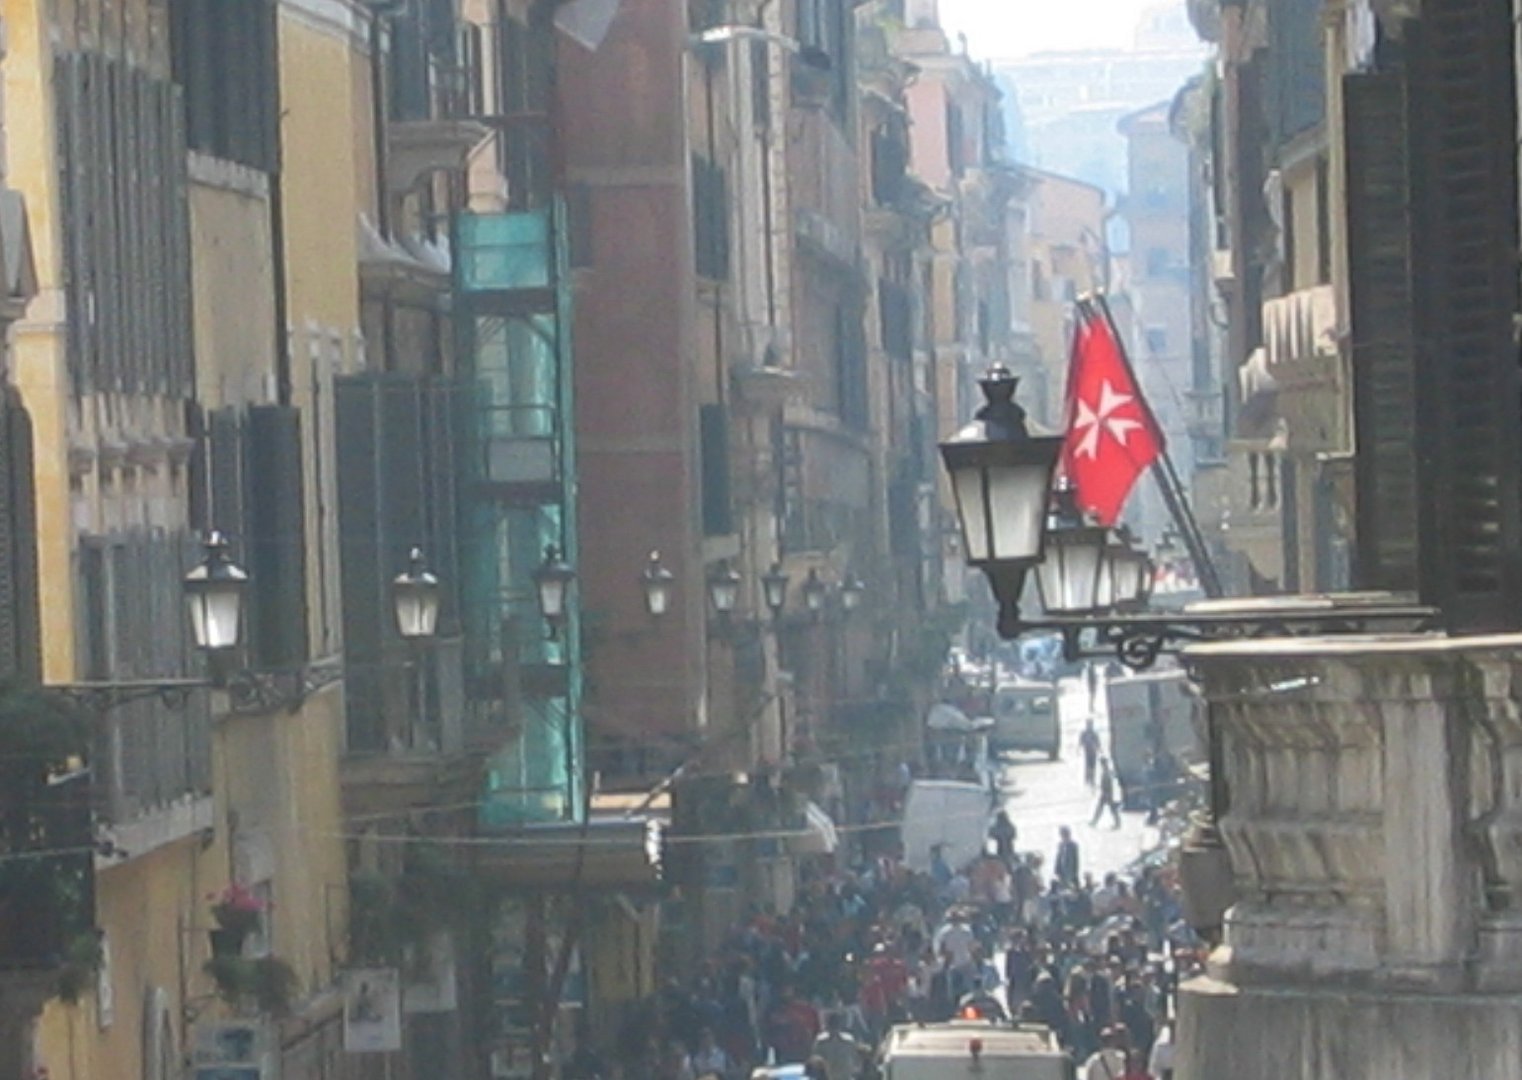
x: 252, y: 692
x: 1138, y: 640
x: 248, y: 691
x: 104, y: 696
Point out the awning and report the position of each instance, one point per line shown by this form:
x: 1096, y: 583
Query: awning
x: 944, y: 717
x: 600, y: 854
x: 818, y: 836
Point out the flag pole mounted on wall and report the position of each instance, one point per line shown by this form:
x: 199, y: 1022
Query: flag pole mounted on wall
x: 1113, y: 435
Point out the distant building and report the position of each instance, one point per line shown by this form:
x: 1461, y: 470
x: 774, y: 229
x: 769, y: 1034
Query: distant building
x: 1064, y: 107
x: 1152, y: 301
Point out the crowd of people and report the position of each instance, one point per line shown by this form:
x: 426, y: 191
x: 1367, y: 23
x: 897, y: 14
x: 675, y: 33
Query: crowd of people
x: 876, y: 944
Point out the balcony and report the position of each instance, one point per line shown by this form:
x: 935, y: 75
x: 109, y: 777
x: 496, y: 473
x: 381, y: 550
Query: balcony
x: 416, y: 149
x: 151, y: 771
x: 1367, y: 792
x: 1305, y: 359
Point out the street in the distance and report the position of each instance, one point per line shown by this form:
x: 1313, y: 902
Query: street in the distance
x: 1042, y: 796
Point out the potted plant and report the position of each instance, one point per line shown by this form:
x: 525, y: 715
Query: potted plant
x: 267, y: 984
x: 239, y: 912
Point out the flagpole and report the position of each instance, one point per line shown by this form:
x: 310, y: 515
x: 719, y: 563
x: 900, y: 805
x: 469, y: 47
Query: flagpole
x: 1163, y: 470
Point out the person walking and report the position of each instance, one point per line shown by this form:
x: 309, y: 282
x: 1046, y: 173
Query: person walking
x: 1108, y: 798
x: 838, y: 1049
x: 1066, y: 865
x: 1088, y: 742
x: 1109, y: 1061
x: 1002, y: 832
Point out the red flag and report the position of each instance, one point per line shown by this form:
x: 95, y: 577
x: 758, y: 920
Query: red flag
x: 1112, y: 436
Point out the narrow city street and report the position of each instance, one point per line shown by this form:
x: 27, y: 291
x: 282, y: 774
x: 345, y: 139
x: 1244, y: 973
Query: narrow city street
x: 1042, y: 796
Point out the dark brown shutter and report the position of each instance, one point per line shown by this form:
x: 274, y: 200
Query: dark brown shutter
x: 19, y: 634
x: 1384, y: 350
x: 1464, y: 192
x: 718, y: 509
x: 356, y: 409
x: 224, y: 474
x: 441, y: 412
x: 276, y: 547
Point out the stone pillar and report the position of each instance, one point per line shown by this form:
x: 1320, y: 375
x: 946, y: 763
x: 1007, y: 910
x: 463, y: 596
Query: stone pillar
x: 1374, y: 820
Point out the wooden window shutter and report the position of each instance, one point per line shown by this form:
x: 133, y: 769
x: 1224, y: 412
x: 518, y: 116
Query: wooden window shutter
x: 1384, y: 349
x: 276, y: 549
x: 1463, y: 125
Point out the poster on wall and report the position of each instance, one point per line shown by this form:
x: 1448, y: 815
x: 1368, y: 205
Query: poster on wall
x: 372, y: 1011
x: 232, y: 1050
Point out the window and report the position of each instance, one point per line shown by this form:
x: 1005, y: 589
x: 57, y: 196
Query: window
x: 710, y: 196
x: 223, y: 55
x: 890, y: 162
x: 1157, y: 340
x: 850, y: 365
x: 718, y: 508
x: 524, y: 55
x: 955, y: 138
x: 825, y: 26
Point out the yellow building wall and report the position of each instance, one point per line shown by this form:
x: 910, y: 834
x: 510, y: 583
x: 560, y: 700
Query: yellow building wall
x: 155, y: 915
x: 322, y: 122
x: 327, y: 181
x: 278, y: 774
x: 153, y: 908
x: 38, y: 342
x: 232, y: 292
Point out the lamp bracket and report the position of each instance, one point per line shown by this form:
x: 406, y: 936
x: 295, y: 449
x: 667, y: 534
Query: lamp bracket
x: 102, y: 696
x: 1138, y: 640
x: 247, y: 691
x: 252, y: 692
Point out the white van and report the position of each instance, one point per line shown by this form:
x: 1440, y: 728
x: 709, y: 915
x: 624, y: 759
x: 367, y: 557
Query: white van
x: 1026, y: 718
x: 974, y: 1050
x: 945, y: 814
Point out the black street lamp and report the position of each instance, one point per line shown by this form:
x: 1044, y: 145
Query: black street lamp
x: 1094, y: 589
x: 656, y: 580
x: 1130, y: 573
x: 214, y: 590
x: 774, y: 585
x: 415, y: 599
x: 553, y: 581
x: 852, y: 591
x: 1069, y: 576
x: 724, y: 589
x: 815, y: 592
x: 1001, y: 476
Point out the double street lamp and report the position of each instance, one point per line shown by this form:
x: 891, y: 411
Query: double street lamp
x: 1094, y: 583
x: 216, y: 590
x: 216, y: 587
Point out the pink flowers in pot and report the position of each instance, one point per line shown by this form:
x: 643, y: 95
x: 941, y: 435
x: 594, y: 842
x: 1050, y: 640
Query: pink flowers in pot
x: 238, y: 908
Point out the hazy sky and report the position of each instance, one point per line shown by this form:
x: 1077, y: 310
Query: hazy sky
x: 1005, y: 28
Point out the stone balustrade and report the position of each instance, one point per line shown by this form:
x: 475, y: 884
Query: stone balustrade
x: 1371, y: 802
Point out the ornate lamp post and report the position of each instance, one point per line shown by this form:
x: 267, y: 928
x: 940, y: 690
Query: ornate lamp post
x: 1001, y: 476
x: 815, y: 592
x: 553, y: 581
x: 656, y: 580
x: 724, y: 589
x: 214, y: 591
x: 774, y: 585
x: 415, y: 599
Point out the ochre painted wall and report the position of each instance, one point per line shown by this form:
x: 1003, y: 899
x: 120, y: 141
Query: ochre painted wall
x: 38, y: 344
